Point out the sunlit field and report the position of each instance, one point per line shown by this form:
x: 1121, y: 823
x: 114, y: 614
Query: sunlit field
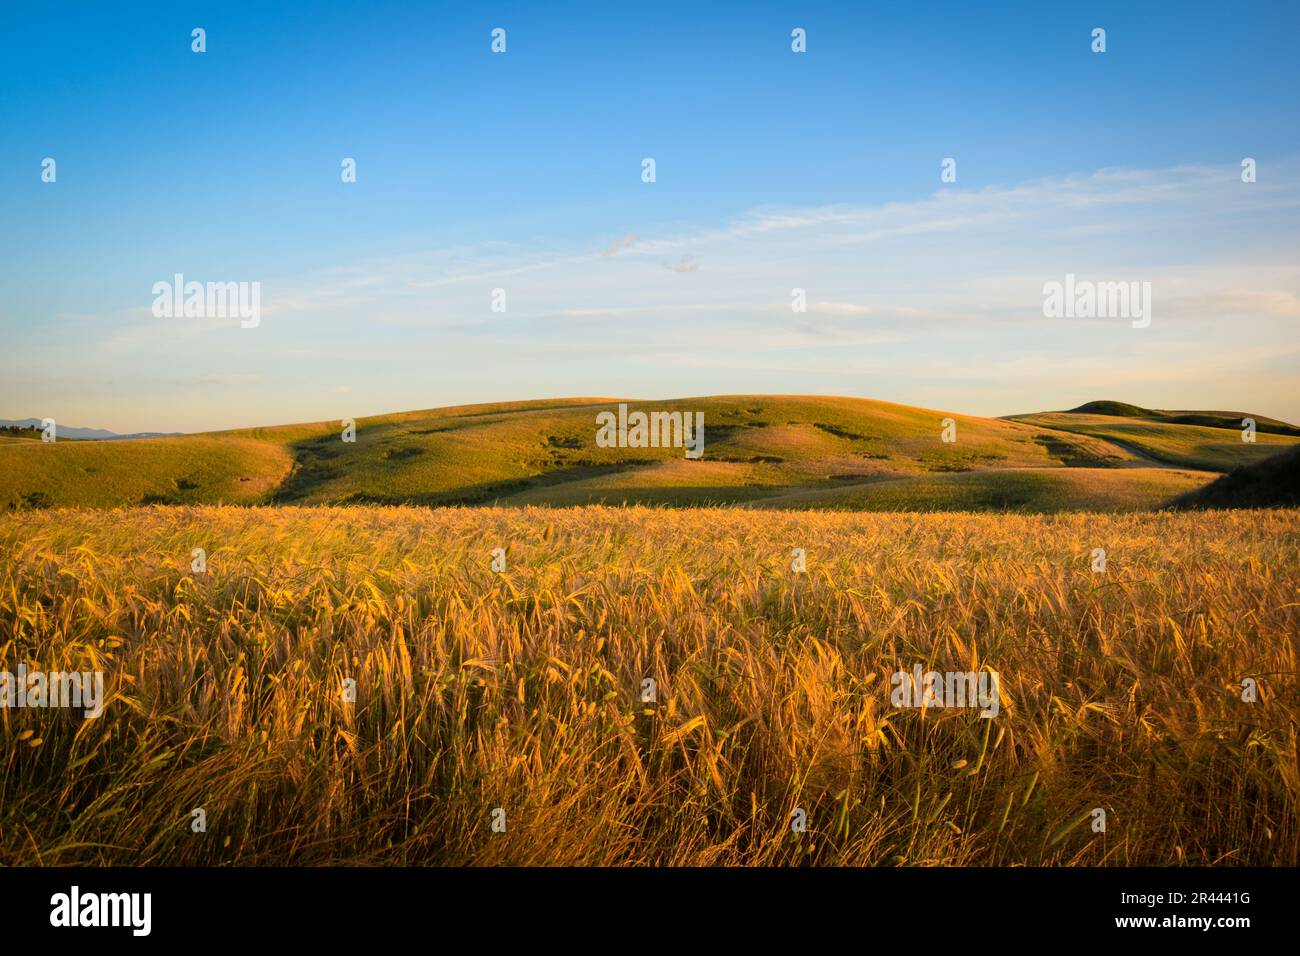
x: 521, y: 692
x: 772, y: 451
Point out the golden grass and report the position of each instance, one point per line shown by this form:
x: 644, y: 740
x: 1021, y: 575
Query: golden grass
x: 521, y: 691
x: 1189, y: 446
x: 545, y: 453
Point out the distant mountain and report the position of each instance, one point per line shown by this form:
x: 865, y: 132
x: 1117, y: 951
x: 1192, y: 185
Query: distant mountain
x: 81, y: 434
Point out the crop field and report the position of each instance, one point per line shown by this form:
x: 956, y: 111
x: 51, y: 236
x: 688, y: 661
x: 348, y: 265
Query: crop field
x: 358, y: 685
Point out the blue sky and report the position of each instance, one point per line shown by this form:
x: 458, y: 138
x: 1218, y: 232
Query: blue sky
x: 521, y: 171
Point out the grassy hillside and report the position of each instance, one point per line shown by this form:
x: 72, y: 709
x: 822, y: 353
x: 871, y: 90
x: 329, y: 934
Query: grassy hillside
x: 797, y: 451
x: 1184, y: 445
x: 1271, y: 483
x: 523, y: 690
x: 19, y: 433
x: 1032, y: 490
x: 755, y: 447
x: 186, y: 469
x: 1231, y: 420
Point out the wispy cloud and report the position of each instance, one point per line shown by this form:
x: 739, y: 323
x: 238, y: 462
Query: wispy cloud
x: 618, y: 245
x: 990, y: 248
x: 229, y: 378
x: 928, y: 301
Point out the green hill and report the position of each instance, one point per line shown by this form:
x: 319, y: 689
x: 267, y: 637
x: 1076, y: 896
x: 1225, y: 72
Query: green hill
x: 1027, y: 490
x: 1180, y: 439
x: 189, y: 469
x: 788, y: 451
x: 1271, y: 483
x: 1231, y: 420
x: 1120, y: 409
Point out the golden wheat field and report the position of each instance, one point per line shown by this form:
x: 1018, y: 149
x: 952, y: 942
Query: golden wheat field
x: 522, y: 691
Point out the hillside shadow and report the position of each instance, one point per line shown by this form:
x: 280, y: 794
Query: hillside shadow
x: 492, y: 492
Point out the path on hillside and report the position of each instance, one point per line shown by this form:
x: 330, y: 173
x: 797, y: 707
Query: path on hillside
x: 1141, y: 453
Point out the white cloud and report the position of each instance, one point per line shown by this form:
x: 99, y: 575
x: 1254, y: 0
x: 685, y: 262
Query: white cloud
x: 932, y: 296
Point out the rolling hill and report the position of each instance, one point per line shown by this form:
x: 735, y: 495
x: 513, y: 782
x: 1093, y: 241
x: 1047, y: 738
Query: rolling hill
x: 1213, y: 419
x: 761, y: 450
x: 1271, y: 483
x: 1186, y: 446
